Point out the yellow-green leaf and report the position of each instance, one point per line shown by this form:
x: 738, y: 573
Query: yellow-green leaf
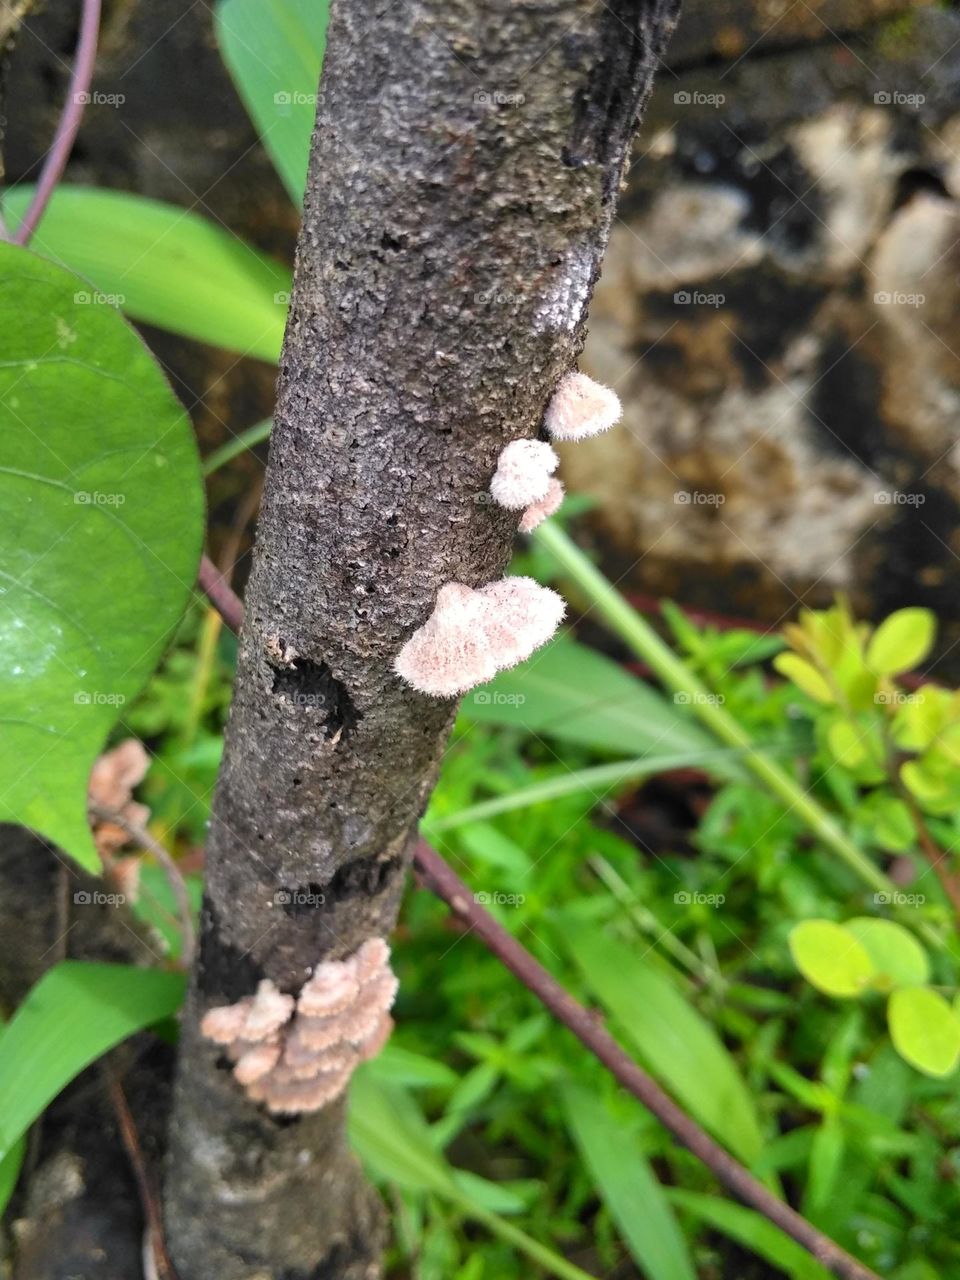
x: 805, y: 676
x: 831, y: 958
x: 901, y: 641
x: 925, y: 1030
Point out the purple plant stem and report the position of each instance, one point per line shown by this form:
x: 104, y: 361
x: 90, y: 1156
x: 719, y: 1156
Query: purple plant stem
x: 77, y: 96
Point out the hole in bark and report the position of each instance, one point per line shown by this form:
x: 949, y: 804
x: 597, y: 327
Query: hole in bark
x: 225, y: 974
x: 365, y: 877
x: 312, y: 687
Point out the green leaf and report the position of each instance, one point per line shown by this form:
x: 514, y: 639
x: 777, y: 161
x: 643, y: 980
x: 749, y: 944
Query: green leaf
x: 628, y: 1188
x: 901, y: 641
x: 826, y: 1159
x: 754, y: 1232
x: 492, y: 848
x: 574, y: 693
x: 831, y: 958
x: 925, y: 1031
x: 897, y: 957
x: 103, y: 507
x: 805, y: 676
x: 888, y: 820
x: 391, y: 1137
x: 163, y: 265
x: 670, y: 1037
x: 274, y: 50
x: 71, y: 1017
x: 401, y: 1066
x: 846, y: 743
x: 10, y: 1167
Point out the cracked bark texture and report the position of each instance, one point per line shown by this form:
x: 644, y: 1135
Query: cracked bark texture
x: 463, y: 178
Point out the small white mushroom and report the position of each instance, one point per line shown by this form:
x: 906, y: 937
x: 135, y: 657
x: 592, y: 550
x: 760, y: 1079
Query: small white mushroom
x: 224, y: 1024
x: 523, y: 473
x: 471, y: 635
x: 268, y: 1012
x: 537, y: 512
x: 522, y: 616
x: 449, y: 653
x: 580, y: 408
x: 258, y: 1061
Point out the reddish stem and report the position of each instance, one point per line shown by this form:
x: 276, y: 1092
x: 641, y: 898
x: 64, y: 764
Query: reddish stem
x: 78, y: 95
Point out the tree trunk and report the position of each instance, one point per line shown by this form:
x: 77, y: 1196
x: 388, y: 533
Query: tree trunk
x: 463, y: 178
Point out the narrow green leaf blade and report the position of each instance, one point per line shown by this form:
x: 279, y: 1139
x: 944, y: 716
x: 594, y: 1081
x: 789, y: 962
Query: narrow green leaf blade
x: 164, y: 265
x: 274, y: 50
x: 671, y: 1038
x: 628, y: 1188
x: 749, y: 1229
x: 569, y: 691
x: 103, y: 519
x: 71, y: 1017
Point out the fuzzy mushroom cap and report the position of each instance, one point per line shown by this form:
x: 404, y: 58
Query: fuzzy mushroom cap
x: 580, y: 408
x: 471, y: 635
x: 523, y: 473
x: 296, y: 1054
x: 537, y: 512
x: 523, y: 616
x: 449, y: 653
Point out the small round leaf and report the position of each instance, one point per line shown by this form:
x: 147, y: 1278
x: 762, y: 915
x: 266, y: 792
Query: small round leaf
x: 831, y: 958
x: 925, y: 1030
x: 901, y: 641
x: 897, y: 957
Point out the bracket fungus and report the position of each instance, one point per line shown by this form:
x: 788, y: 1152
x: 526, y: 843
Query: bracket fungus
x: 296, y: 1054
x: 548, y: 505
x: 474, y: 633
x: 523, y: 473
x: 580, y: 408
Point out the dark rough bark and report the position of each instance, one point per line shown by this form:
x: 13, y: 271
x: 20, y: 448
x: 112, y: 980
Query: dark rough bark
x: 462, y: 183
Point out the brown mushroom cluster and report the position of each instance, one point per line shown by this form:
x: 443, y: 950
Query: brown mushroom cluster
x: 297, y: 1054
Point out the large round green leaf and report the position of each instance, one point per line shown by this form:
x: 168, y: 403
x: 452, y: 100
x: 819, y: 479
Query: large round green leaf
x: 102, y: 521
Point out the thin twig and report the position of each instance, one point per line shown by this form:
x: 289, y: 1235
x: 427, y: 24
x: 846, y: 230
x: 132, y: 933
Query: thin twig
x: 226, y: 602
x: 78, y: 95
x: 149, y: 1200
x: 170, y: 869
x: 937, y: 857
x: 441, y: 880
